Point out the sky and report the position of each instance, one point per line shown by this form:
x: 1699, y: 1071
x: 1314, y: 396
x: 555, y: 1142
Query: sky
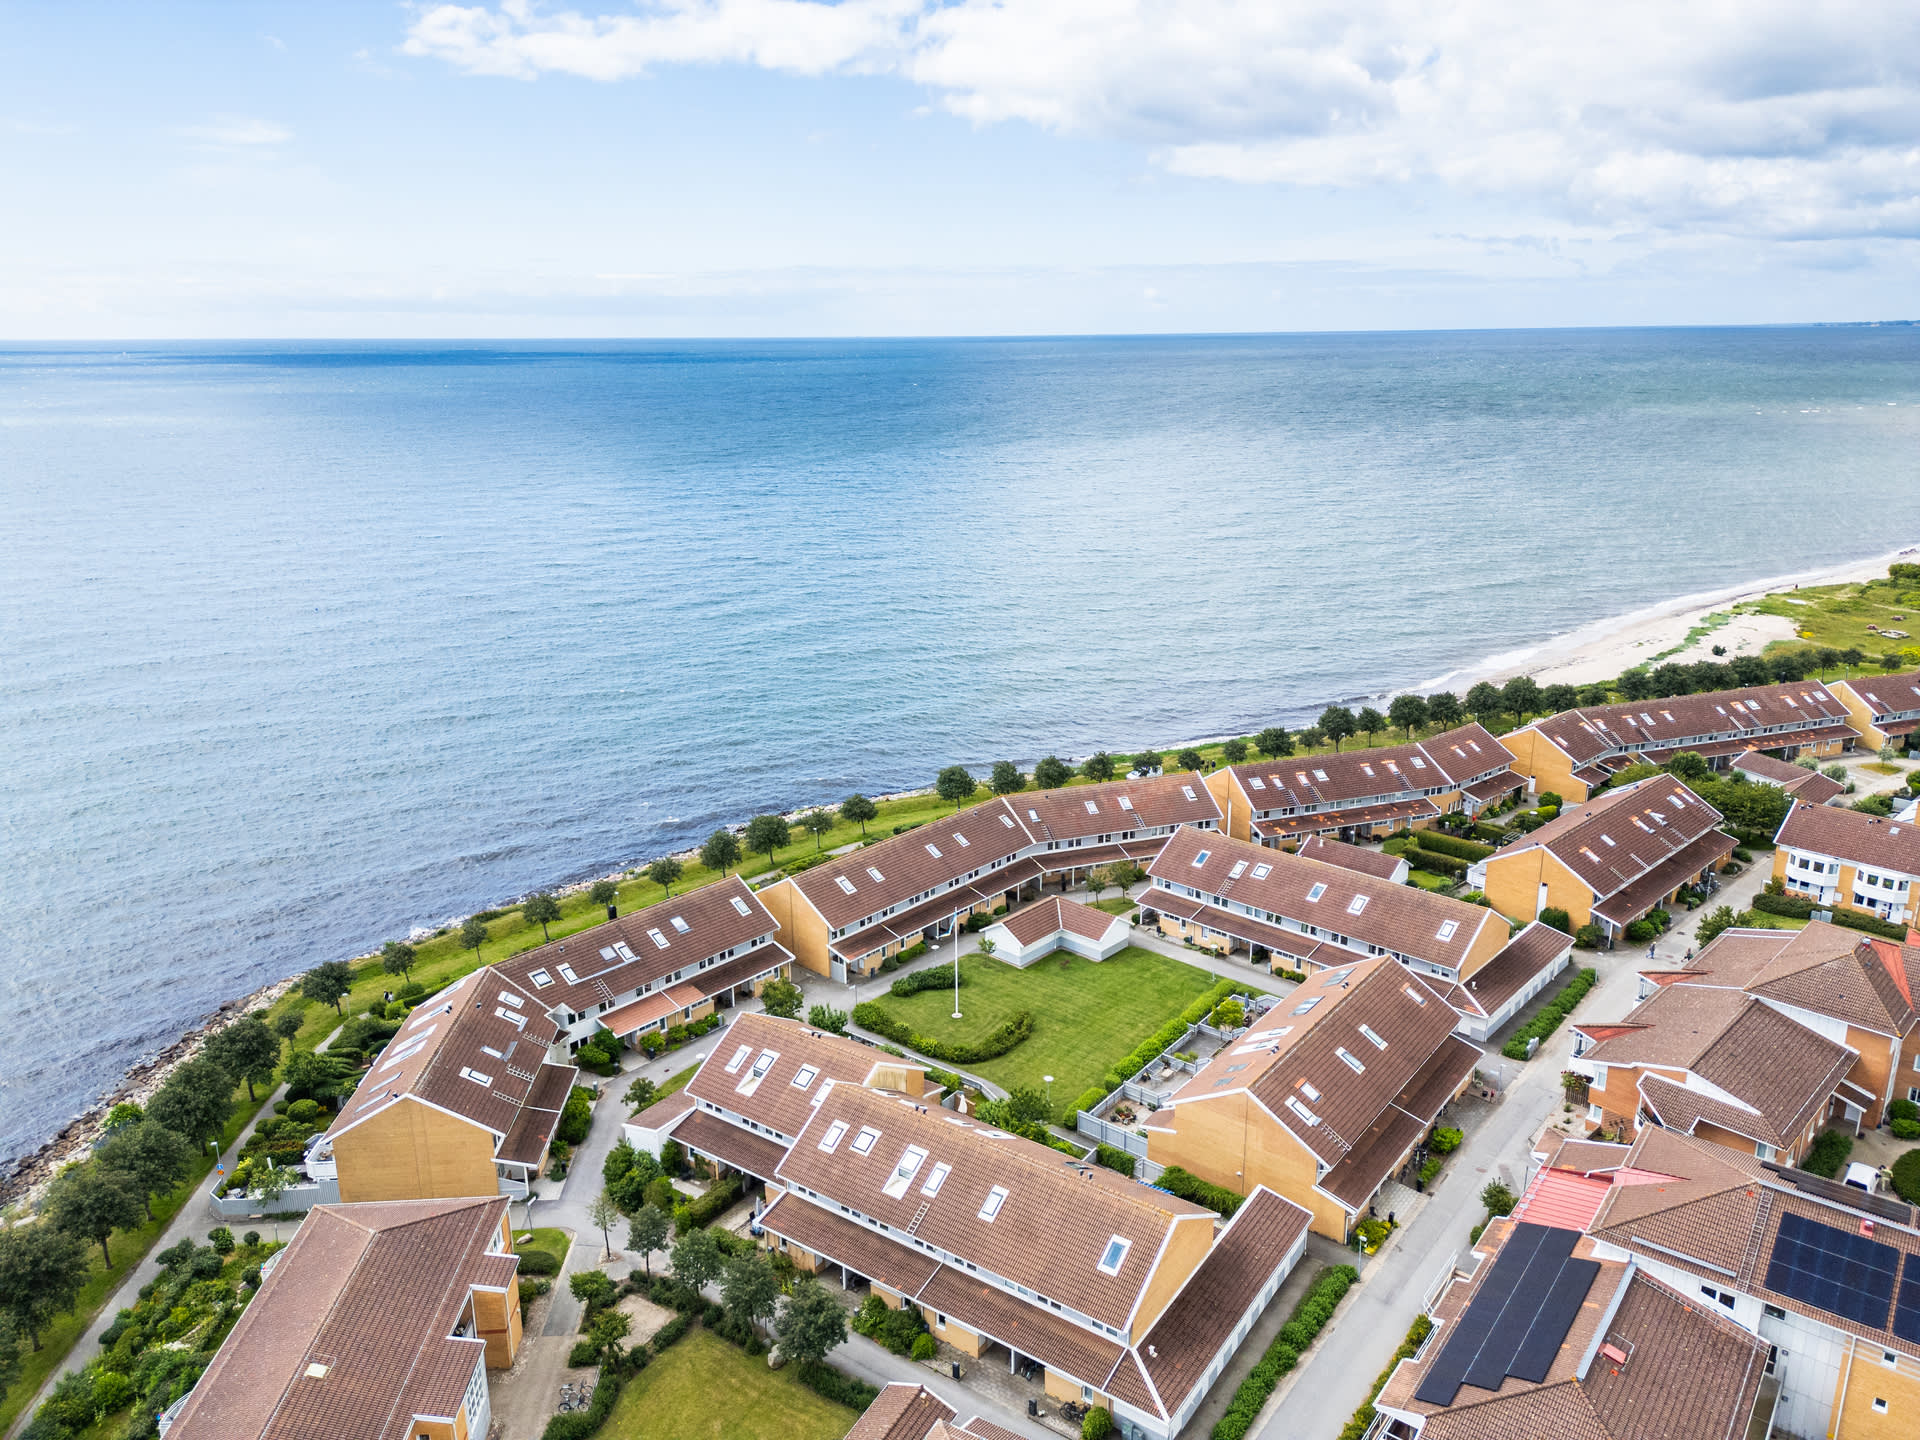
x: 884, y: 167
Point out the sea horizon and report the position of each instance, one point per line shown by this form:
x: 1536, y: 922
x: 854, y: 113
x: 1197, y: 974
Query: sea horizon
x: 317, y: 642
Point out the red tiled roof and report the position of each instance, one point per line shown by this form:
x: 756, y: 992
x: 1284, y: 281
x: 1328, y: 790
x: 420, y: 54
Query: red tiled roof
x: 1376, y: 863
x: 1768, y: 715
x: 1853, y: 837
x: 901, y: 1412
x: 1615, y: 839
x: 721, y: 1140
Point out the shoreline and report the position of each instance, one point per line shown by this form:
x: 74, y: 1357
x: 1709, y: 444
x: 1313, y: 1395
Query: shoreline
x: 1599, y: 650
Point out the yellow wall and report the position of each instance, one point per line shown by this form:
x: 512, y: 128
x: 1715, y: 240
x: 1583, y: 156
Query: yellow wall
x: 1192, y: 1238
x: 1545, y: 763
x: 1217, y: 1139
x: 1180, y: 930
x: 953, y: 1332
x: 1236, y: 815
x: 1513, y: 885
x: 411, y: 1151
x: 496, y: 1318
x: 1061, y: 1388
x: 1865, y: 1380
x: 1859, y: 715
x: 1490, y: 942
x: 801, y: 929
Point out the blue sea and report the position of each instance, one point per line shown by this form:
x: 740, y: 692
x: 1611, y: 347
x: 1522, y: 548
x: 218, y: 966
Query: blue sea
x: 307, y: 645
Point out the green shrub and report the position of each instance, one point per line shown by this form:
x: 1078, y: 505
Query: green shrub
x: 830, y: 1384
x: 896, y: 1329
x: 539, y: 1262
x: 869, y: 1015
x: 1439, y: 843
x: 1498, y: 1199
x: 1641, y: 931
x: 1548, y: 1020
x: 1425, y: 859
x: 1445, y: 1140
x: 1430, y: 1169
x: 1559, y: 919
x: 576, y: 1116
x: 1828, y: 1153
x: 1903, y: 1110
x: 221, y: 1239
x: 719, y: 1198
x: 305, y: 1111
x: 1904, y: 1129
x: 580, y: 1424
x: 1906, y: 1176
x: 1090, y: 1099
x: 1309, y: 1316
x: 1417, y: 1334
x: 938, y: 977
x: 1588, y: 937
x: 923, y: 1348
x: 1189, y: 1186
x: 1113, y: 1158
x: 1097, y: 1424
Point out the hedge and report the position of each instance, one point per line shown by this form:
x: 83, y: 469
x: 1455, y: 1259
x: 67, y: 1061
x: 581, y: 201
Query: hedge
x: 1423, y: 859
x: 1308, y: 1319
x: 1444, y: 844
x: 936, y: 977
x: 1189, y: 1186
x: 711, y: 1206
x: 1828, y: 1153
x: 870, y: 1016
x: 1113, y: 1158
x: 1548, y: 1020
x: 1798, y: 907
x: 1363, y: 1417
x: 1906, y: 1176
x: 830, y: 1384
x: 1151, y: 1048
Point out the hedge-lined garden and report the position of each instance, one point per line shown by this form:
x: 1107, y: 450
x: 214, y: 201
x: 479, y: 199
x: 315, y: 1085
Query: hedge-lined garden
x: 1548, y: 1020
x: 1189, y: 1186
x: 1156, y: 1044
x: 1798, y: 907
x: 1309, y: 1318
x: 869, y: 1015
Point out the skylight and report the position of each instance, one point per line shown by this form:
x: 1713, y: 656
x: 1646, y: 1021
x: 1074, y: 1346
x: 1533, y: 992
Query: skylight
x: 1115, y: 1256
x: 680, y: 925
x: 1356, y: 905
x: 1187, y: 790
x: 1093, y: 807
x: 512, y: 1017
x: 1371, y: 1034
x: 764, y: 1063
x: 1414, y: 995
x: 936, y: 1179
x: 1305, y: 1005
x: 1007, y: 820
x: 1126, y: 802
x: 739, y: 1059
x: 541, y: 979
x: 479, y: 1077
x: 864, y: 1142
x: 1316, y: 892
x: 1446, y: 930
x: 1033, y: 815
x: 507, y: 997
x: 1309, y: 1089
x: 741, y: 905
x: 805, y: 1076
x: 903, y: 1172
x: 830, y: 1141
x: 990, y: 1207
x: 1302, y: 1111
x: 1418, y: 763
x: 875, y: 873
x: 1607, y: 840
x: 847, y: 885
x: 1260, y: 872
x: 566, y: 974
x: 1256, y: 782
x: 933, y: 850
x: 1202, y: 858
x: 1239, y: 869
x: 1351, y: 1061
x: 960, y: 840
x: 653, y: 935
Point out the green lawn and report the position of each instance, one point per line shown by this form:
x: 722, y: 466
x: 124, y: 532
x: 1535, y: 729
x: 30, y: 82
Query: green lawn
x: 550, y: 1241
x: 1119, y: 905
x: 705, y: 1389
x: 1086, y: 1016
x: 1427, y: 880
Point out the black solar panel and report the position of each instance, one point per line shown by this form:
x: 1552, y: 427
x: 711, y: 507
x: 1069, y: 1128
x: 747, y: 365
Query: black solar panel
x: 1833, y: 1270
x: 1555, y: 1317
x: 1906, y: 1309
x: 1519, y: 1315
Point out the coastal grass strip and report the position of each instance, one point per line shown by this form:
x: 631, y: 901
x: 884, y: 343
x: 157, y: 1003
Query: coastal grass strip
x: 1309, y: 1318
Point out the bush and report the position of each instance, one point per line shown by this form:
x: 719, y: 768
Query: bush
x: 1188, y: 1186
x: 1438, y: 842
x: 1559, y: 919
x: 580, y: 1424
x: 1641, y: 931
x: 938, y: 977
x: 221, y: 1239
x: 1097, y: 1424
x: 305, y: 1111
x: 923, y: 1348
x: 1498, y: 1199
x: 1445, y: 1140
x: 584, y: 1352
x: 716, y: 1202
x: 539, y: 1262
x: 1089, y: 1099
x: 1828, y: 1153
x: 830, y: 1384
x: 1906, y: 1176
x: 1425, y: 859
x: 1417, y: 1334
x: 1309, y: 1317
x: 1430, y: 1170
x: 1548, y: 1020
x: 576, y: 1116
x: 1903, y: 1110
x: 869, y: 1015
x: 1588, y: 937
x: 1113, y: 1158
x: 1905, y: 1129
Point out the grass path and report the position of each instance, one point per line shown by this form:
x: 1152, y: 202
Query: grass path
x: 705, y: 1389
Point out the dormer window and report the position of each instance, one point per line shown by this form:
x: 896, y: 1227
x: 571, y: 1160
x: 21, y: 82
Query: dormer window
x: 1114, y: 1256
x: 990, y: 1207
x: 903, y: 1173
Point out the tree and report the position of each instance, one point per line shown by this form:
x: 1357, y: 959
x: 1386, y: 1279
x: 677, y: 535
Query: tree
x: 1370, y: 722
x: 1484, y: 702
x: 1273, y: 742
x: 1721, y: 918
x: 1098, y: 767
x: 825, y: 1017
x: 1146, y: 762
x: 697, y: 1259
x: 606, y: 1332
x: 1853, y: 657
x: 1006, y: 778
x: 720, y: 852
x: 1051, y: 773
x: 1097, y: 881
x: 1337, y: 724
x: 603, y: 1213
x: 195, y: 1101
x: 1521, y: 695
x: 1312, y: 738
x: 858, y: 810
x: 473, y: 934
x: 1498, y: 1199
x: 1409, y: 712
x: 664, y: 872
x: 1635, y: 685
x: 246, y: 1049
x: 1689, y: 765
x: 122, y: 1115
x: 749, y: 1288
x: 647, y: 1232
x: 603, y: 892
x: 10, y: 1355
x: 817, y: 822
x: 1189, y: 759
x: 90, y: 1202
x: 288, y: 1025
x: 642, y: 1093
x: 592, y: 1288
x: 397, y: 957
x: 955, y: 783
x: 155, y: 1158
x: 542, y: 910
x: 811, y: 1323
x: 1444, y: 709
x: 41, y: 1271
x: 1235, y: 751
x: 1555, y: 699
x: 328, y: 983
x: 311, y: 1075
x: 782, y: 997
x: 767, y: 833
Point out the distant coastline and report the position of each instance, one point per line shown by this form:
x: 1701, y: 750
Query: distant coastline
x: 1593, y: 652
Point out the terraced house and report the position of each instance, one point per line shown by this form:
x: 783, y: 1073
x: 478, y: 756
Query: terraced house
x: 1843, y: 857
x: 1611, y: 860
x: 843, y: 918
x: 378, y: 1322
x: 1853, y: 990
x: 1574, y: 752
x: 1324, y: 1098
x: 657, y: 968
x: 463, y: 1101
x: 1883, y: 709
x: 1363, y: 794
x: 1129, y: 1297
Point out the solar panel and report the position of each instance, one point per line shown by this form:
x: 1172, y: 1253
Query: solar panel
x: 1833, y: 1270
x: 1519, y: 1316
x: 1552, y: 1321
x: 1906, y: 1310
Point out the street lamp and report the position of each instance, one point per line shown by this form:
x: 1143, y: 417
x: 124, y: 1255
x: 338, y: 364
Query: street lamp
x: 956, y: 964
x: 1049, y: 1080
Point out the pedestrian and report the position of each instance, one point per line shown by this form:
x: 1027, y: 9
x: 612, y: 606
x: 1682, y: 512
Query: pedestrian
x: 1649, y: 952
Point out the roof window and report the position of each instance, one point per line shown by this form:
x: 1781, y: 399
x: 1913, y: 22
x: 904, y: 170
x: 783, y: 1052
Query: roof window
x: 1305, y: 1005
x: 1317, y: 891
x: 904, y: 1172
x: 479, y: 1077
x: 1093, y: 807
x: 566, y: 974
x: 679, y: 925
x: 830, y: 1141
x: 1372, y: 1035
x: 846, y: 884
x: 1187, y: 790
x: 1366, y: 769
x: 990, y: 1207
x: 960, y: 840
x: 763, y: 1064
x: 741, y: 905
x: 512, y: 1017
x: 1320, y: 775
x: 1256, y: 782
x: 1114, y: 1256
x: 739, y: 1059
x: 1006, y: 820
x: 496, y: 1054
x: 1260, y: 872
x: 1607, y: 840
x: 1418, y: 763
x: 541, y: 979
x: 507, y: 997
x: 1293, y: 1104
x: 659, y: 940
x: 625, y: 953
x: 1202, y: 858
x: 1350, y: 1060
x: 864, y: 1142
x: 1356, y: 905
x: 1414, y: 995
x: 1309, y: 1089
x: 1126, y: 802
x: 805, y: 1076
x: 936, y: 1179
x: 933, y: 850
x: 875, y: 874
x: 1239, y: 869
x: 1446, y: 930
x: 1033, y: 815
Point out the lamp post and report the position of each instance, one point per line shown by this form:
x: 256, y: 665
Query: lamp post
x: 1049, y: 1080
x: 956, y: 964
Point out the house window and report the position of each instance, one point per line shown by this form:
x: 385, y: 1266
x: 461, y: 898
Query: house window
x: 1316, y: 892
x: 1595, y: 1114
x: 835, y: 1132
x: 1722, y: 1297
x: 933, y: 850
x: 1115, y: 1256
x: 1763, y: 1150
x: 990, y: 1207
x: 477, y: 1076
x: 1260, y: 872
x: 1889, y: 1359
x: 1774, y: 1312
x: 863, y: 1143
x: 679, y: 925
x: 1349, y: 1059
x: 1879, y: 1406
x: 1368, y: 1031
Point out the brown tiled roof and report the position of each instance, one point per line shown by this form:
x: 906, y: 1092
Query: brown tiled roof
x: 533, y: 1128
x: 1889, y: 695
x: 1647, y: 823
x: 1190, y: 1332
x: 663, y: 1112
x: 1512, y: 967
x: 373, y: 1292
x: 623, y: 955
x: 1393, y: 1132
x: 1084, y: 857
x: 910, y: 925
x: 1400, y: 918
x: 1056, y: 913
x: 906, y: 867
x: 1765, y: 715
x: 1285, y: 827
x: 725, y: 1077
x: 1853, y: 837
x: 1589, y: 1157
x: 1376, y: 863
x: 726, y: 1142
x: 1025, y: 1240
x: 1057, y: 1343
x: 1682, y: 867
x: 1832, y: 971
x: 975, y: 1428
x: 1494, y: 786
x: 859, y: 1249
x: 1796, y: 780
x: 1444, y: 762
x: 901, y: 1412
x: 461, y: 1031
x: 1181, y: 798
x: 650, y: 1009
x: 1560, y: 1411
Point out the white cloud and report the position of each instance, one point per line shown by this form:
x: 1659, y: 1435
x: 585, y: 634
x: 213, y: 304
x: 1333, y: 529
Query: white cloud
x: 1762, y: 117
x: 238, y: 132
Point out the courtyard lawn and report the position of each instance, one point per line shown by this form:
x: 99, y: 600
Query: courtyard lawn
x: 1085, y: 1016
x: 1427, y: 880
x: 1119, y: 905
x: 548, y: 1241
x: 705, y: 1389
